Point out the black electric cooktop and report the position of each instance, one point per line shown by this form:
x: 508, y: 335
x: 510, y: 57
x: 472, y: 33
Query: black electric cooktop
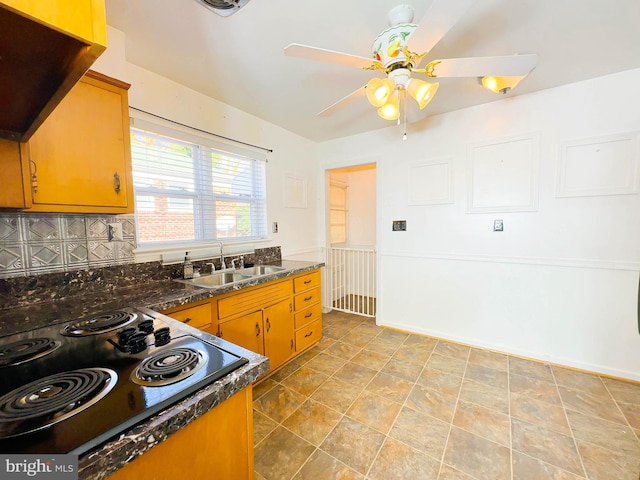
x: 70, y: 387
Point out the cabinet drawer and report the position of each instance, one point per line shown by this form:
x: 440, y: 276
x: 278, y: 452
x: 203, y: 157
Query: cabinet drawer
x: 306, y: 299
x: 253, y: 300
x: 306, y: 282
x: 308, y: 335
x: 198, y: 316
x: 308, y: 315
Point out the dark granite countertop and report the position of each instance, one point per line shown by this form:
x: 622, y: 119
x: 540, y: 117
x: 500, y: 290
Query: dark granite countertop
x: 157, y: 296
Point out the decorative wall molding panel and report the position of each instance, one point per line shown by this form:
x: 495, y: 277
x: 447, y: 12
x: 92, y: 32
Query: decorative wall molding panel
x: 503, y: 174
x: 295, y: 191
x: 604, y: 165
x: 431, y: 182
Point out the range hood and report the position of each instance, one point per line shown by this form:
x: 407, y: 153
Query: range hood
x: 45, y: 49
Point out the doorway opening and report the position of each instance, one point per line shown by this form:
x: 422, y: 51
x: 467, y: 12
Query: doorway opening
x: 350, y: 255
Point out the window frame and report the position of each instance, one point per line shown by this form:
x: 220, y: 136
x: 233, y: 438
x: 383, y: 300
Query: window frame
x: 204, y: 229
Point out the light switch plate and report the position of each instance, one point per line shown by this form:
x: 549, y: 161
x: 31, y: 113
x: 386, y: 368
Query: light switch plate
x: 114, y: 231
x: 399, y: 226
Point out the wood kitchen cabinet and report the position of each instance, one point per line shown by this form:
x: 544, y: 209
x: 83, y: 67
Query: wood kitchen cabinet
x: 217, y: 446
x: 307, y: 304
x: 261, y: 320
x: 197, y: 314
x: 46, y: 48
x: 280, y: 319
x: 79, y: 160
x: 268, y: 332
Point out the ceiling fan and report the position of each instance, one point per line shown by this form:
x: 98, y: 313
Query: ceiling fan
x: 398, y: 52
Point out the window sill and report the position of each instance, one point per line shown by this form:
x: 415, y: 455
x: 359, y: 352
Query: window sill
x: 197, y: 251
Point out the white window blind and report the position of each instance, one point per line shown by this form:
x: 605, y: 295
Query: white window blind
x: 189, y: 192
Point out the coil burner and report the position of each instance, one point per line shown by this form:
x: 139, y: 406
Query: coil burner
x: 100, y: 324
x: 49, y: 400
x: 22, y: 351
x: 169, y: 366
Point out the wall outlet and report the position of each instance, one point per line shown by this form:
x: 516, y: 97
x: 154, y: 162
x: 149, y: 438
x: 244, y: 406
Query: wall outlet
x: 498, y: 225
x: 114, y: 231
x: 399, y: 226
x: 274, y: 227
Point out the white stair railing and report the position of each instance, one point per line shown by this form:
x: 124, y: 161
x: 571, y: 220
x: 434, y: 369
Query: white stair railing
x: 350, y: 280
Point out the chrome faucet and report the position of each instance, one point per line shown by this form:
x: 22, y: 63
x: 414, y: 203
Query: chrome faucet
x: 222, y: 265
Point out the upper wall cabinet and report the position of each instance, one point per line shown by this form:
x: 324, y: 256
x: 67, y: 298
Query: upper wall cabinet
x: 45, y: 48
x: 79, y: 160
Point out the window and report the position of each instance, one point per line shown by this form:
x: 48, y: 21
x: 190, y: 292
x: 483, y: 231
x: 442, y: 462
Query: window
x: 188, y: 191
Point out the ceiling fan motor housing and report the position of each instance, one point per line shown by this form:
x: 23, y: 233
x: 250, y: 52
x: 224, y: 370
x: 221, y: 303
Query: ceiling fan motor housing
x: 388, y: 47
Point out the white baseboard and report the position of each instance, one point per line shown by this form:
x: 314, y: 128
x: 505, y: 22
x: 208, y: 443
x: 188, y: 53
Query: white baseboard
x: 536, y: 356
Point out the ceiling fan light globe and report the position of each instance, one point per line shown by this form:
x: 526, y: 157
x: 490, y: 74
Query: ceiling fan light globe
x: 421, y: 91
x: 391, y: 109
x: 379, y: 90
x: 501, y: 84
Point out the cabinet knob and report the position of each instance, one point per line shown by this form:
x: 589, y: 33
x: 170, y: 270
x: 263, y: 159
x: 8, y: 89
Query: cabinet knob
x: 187, y: 320
x: 116, y: 182
x: 306, y: 299
x: 308, y: 315
x: 307, y: 282
x: 309, y: 334
x: 257, y: 330
x: 268, y: 325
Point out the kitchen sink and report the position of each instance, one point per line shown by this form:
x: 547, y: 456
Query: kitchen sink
x: 260, y: 270
x: 216, y: 279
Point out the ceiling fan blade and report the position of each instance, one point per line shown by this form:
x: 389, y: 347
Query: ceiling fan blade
x: 503, y: 66
x: 441, y: 16
x: 330, y: 56
x: 343, y: 102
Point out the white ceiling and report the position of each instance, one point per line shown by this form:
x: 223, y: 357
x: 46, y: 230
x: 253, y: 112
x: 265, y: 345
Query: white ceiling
x: 239, y: 60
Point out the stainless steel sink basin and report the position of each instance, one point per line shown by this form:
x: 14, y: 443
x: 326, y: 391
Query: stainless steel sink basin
x: 260, y: 270
x: 215, y: 279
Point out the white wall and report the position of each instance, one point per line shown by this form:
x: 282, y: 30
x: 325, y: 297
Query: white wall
x: 297, y: 227
x: 361, y: 197
x: 560, y: 283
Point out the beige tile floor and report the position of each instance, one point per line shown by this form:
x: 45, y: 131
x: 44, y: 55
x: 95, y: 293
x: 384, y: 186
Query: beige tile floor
x: 374, y: 403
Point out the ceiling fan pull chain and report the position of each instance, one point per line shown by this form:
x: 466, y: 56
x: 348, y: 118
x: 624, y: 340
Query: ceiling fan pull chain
x: 404, y: 112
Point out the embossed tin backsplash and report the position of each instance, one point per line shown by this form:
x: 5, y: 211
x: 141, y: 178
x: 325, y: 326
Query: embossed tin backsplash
x: 43, y: 243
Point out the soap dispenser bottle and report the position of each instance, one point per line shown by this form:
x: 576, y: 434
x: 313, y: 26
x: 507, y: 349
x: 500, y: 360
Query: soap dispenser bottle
x: 187, y: 267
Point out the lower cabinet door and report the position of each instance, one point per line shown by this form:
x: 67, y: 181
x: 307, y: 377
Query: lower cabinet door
x: 245, y: 331
x: 278, y: 333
